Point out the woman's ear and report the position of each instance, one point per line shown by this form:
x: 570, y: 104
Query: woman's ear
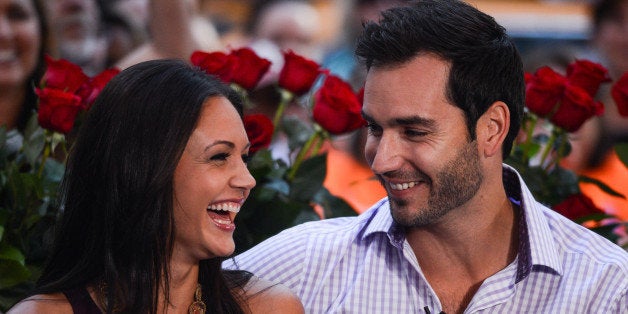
x: 492, y: 128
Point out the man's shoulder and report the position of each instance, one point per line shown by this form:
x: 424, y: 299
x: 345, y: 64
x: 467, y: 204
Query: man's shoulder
x: 321, y: 235
x: 576, y: 241
x: 335, y: 227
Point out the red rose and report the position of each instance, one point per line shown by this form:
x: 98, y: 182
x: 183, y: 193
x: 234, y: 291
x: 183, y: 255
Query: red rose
x: 260, y: 130
x: 576, y: 107
x: 217, y: 63
x: 577, y: 206
x: 620, y: 94
x: 336, y: 107
x: 250, y: 68
x: 543, y: 90
x: 298, y: 73
x: 90, y: 90
x: 64, y: 75
x: 57, y: 109
x: 588, y: 75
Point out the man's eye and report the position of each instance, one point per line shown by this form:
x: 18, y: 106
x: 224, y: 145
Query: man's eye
x: 373, y: 129
x: 415, y: 133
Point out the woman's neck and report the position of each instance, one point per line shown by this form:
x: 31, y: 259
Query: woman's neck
x: 182, y: 286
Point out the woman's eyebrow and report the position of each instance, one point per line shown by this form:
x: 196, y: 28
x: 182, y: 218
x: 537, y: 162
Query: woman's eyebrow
x: 219, y: 142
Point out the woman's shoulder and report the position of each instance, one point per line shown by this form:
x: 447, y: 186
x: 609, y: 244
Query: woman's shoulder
x: 263, y: 296
x: 43, y: 303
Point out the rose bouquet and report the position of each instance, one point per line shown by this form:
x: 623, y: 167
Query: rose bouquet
x: 289, y: 191
x: 30, y: 174
x: 557, y: 105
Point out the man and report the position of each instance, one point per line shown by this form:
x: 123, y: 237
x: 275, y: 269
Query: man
x: 459, y: 230
x: 77, y: 26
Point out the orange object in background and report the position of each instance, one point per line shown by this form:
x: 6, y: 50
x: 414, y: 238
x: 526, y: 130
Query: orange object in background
x: 613, y: 173
x: 352, y: 181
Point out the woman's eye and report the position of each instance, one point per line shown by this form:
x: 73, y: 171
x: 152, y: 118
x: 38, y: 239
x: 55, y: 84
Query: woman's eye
x: 220, y: 157
x: 246, y: 158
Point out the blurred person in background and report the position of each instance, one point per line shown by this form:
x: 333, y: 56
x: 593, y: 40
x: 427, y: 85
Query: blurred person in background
x: 340, y: 58
x: 274, y: 27
x: 593, y: 154
x: 99, y: 34
x: 348, y: 173
x: 126, y: 25
x: 79, y: 34
x: 23, y: 35
x: 176, y: 29
x: 610, y: 41
x: 146, y: 222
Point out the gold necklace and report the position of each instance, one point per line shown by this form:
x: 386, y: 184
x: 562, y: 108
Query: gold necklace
x: 198, y: 306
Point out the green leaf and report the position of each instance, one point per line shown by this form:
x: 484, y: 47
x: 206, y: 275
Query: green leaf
x: 32, y: 126
x: 297, y: 131
x: 8, y: 252
x: 12, y: 273
x: 34, y: 145
x: 622, y: 152
x: 601, y: 185
x: 56, y: 139
x: 607, y: 231
x: 3, y: 135
x: 333, y: 206
x: 305, y: 216
x: 309, y: 178
x: 1, y: 232
x: 278, y: 186
x: 53, y: 171
x: 595, y: 217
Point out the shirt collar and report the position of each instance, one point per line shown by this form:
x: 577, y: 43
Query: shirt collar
x: 536, y: 245
x: 380, y: 220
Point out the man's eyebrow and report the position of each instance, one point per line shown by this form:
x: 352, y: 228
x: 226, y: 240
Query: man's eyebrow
x: 411, y: 120
x: 414, y: 120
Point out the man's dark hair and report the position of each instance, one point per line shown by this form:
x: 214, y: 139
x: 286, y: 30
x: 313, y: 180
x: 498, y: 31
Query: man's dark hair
x: 485, y: 64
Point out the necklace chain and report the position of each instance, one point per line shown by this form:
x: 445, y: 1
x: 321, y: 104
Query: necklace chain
x: 198, y: 306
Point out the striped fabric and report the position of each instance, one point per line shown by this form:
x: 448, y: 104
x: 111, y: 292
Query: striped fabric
x: 364, y: 265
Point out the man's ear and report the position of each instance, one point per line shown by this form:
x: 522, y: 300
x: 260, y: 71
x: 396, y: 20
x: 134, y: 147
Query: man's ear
x: 492, y: 128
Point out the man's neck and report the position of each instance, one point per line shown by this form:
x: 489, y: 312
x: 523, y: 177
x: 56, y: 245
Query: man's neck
x: 465, y: 247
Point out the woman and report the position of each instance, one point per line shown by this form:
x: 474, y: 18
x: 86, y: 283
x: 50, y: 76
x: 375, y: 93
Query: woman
x: 154, y: 181
x: 22, y: 33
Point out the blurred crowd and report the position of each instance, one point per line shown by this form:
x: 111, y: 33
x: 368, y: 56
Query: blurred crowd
x: 97, y: 34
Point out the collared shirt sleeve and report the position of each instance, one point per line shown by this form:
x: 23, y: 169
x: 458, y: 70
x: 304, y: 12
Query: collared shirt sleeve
x: 282, y: 263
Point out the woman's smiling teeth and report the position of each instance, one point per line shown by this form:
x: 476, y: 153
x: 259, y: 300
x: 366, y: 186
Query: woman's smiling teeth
x: 402, y: 186
x: 230, y: 207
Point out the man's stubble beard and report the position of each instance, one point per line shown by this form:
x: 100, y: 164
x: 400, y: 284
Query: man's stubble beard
x: 455, y: 184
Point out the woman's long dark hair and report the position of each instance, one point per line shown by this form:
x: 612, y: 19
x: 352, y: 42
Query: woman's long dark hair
x: 117, y: 225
